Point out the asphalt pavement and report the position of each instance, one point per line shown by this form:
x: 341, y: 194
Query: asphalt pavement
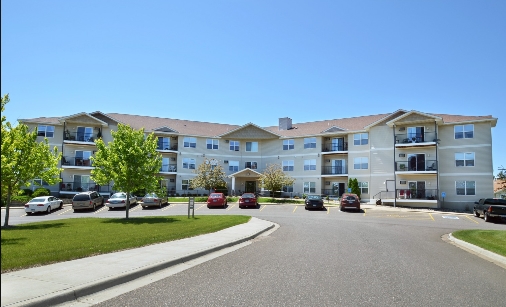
x: 67, y: 281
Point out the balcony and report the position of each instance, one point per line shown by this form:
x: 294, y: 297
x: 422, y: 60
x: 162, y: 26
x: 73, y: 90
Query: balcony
x: 81, y: 136
x: 168, y: 168
x: 76, y: 161
x: 76, y: 187
x: 334, y: 170
x: 426, y: 194
x: 416, y: 166
x: 408, y: 139
x: 166, y: 146
x: 330, y: 146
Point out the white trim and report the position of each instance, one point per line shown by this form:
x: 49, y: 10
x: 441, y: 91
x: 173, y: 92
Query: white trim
x: 464, y: 146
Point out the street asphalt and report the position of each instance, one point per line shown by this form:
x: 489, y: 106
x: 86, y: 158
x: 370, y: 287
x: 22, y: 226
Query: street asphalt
x: 68, y: 281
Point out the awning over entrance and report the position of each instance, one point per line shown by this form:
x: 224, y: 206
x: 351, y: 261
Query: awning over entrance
x: 245, y: 174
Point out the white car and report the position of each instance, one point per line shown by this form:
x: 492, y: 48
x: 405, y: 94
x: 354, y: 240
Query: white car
x: 118, y: 200
x: 43, y: 204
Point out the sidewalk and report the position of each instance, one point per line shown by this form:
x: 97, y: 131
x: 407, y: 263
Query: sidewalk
x: 63, y: 282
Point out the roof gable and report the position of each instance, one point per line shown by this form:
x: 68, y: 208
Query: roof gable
x: 334, y: 129
x: 165, y: 129
x: 414, y: 117
x: 250, y: 131
x: 83, y: 118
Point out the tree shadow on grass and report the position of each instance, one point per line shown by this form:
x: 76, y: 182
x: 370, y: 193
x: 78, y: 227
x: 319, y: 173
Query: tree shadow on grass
x: 140, y: 220
x: 33, y: 226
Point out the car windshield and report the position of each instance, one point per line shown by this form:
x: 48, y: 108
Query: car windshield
x: 248, y: 195
x: 215, y: 195
x: 313, y: 197
x: 37, y: 200
x: 153, y: 195
x: 118, y: 195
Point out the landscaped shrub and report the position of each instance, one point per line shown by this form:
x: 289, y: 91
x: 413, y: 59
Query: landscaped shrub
x: 26, y: 192
x: 41, y: 192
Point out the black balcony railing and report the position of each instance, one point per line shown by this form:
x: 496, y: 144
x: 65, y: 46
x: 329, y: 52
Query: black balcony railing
x: 334, y: 170
x: 407, y: 138
x: 76, y: 161
x: 168, y: 168
x: 166, y: 146
x: 81, y: 136
x: 416, y: 165
x: 83, y: 187
x: 334, y: 146
x: 429, y: 194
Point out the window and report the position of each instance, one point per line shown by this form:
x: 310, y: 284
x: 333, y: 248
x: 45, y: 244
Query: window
x: 189, y: 163
x: 165, y: 165
x: 233, y: 166
x: 190, y: 142
x: 288, y: 188
x: 364, y: 187
x: 234, y: 145
x: 186, y: 184
x: 464, y: 131
x: 465, y: 187
x: 310, y: 165
x: 252, y: 165
x: 252, y: 146
x: 288, y: 166
x: 83, y: 158
x: 84, y: 134
x: 361, y: 163
x: 40, y: 182
x: 361, y: 139
x: 212, y: 144
x: 288, y: 145
x: 163, y: 143
x: 309, y: 187
x: 464, y: 159
x: 309, y: 143
x: 47, y: 131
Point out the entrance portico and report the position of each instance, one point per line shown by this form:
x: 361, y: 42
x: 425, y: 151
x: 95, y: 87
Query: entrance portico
x: 245, y: 180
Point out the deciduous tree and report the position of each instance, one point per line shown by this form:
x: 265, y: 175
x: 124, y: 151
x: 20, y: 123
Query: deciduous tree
x: 274, y: 179
x: 130, y: 161
x: 24, y: 159
x: 210, y: 175
x: 353, y: 184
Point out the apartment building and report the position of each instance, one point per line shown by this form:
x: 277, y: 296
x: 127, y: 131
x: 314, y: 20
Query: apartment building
x: 406, y: 158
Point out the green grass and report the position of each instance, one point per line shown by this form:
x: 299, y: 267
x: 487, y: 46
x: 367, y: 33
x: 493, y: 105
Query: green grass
x: 491, y: 240
x: 41, y: 243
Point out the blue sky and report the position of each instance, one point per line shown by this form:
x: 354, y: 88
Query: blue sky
x: 237, y: 62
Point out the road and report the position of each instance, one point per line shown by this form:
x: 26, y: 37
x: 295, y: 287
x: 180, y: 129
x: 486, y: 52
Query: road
x: 326, y: 258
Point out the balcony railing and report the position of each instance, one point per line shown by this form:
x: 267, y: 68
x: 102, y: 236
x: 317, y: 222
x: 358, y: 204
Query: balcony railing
x: 407, y: 138
x: 80, y: 136
x: 76, y: 161
x: 84, y: 186
x: 168, y: 168
x: 334, y: 170
x: 326, y: 147
x: 166, y: 146
x: 429, y: 194
x: 416, y: 166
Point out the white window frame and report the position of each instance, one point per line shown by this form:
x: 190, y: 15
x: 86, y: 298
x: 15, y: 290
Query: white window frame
x: 189, y: 163
x: 253, y: 147
x: 466, y: 159
x: 186, y: 185
x: 309, y: 143
x: 288, y: 165
x: 465, y: 185
x: 252, y: 164
x: 309, y: 187
x: 189, y: 142
x: 362, y: 162
x: 364, y: 187
x: 234, y: 145
x: 463, y: 131
x: 233, y: 166
x: 288, y: 144
x: 310, y: 165
x: 45, y: 131
x: 361, y: 139
x: 212, y: 144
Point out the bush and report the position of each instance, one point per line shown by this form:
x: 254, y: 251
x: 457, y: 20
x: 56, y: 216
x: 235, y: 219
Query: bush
x: 41, y: 192
x: 26, y: 192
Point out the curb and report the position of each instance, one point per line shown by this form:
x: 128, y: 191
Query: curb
x: 77, y: 292
x: 483, y: 253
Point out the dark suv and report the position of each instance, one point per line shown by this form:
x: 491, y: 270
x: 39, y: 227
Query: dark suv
x: 87, y: 200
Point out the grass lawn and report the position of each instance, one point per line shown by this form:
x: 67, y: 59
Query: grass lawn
x: 41, y: 243
x: 491, y: 240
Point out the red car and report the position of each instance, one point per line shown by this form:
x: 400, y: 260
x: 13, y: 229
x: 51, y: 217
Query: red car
x: 217, y: 200
x: 349, y: 201
x: 248, y: 200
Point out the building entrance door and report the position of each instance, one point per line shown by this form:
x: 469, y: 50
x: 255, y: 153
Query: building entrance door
x: 250, y: 186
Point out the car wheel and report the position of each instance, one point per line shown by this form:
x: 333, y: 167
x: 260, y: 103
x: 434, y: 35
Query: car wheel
x: 94, y: 207
x: 48, y: 209
x: 486, y: 217
x: 476, y: 213
x: 61, y: 205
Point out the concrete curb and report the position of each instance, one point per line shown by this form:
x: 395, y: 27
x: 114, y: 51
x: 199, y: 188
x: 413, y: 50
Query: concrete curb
x: 483, y: 253
x: 75, y: 293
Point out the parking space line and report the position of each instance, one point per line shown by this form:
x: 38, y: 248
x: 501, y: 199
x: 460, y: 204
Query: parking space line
x: 294, y: 209
x: 136, y: 208
x: 432, y: 217
x: 168, y: 207
x: 365, y: 211
x: 263, y: 208
x: 471, y: 219
x: 65, y: 211
x: 100, y: 210
x: 231, y: 207
x: 200, y: 206
x: 328, y: 210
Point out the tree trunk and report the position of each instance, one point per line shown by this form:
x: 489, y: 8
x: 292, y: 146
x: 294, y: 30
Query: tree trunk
x: 127, y: 208
x: 7, y: 205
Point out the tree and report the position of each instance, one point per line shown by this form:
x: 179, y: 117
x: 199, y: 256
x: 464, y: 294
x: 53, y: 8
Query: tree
x: 501, y: 179
x: 130, y: 161
x: 24, y: 159
x: 210, y: 175
x: 353, y: 184
x: 274, y: 179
